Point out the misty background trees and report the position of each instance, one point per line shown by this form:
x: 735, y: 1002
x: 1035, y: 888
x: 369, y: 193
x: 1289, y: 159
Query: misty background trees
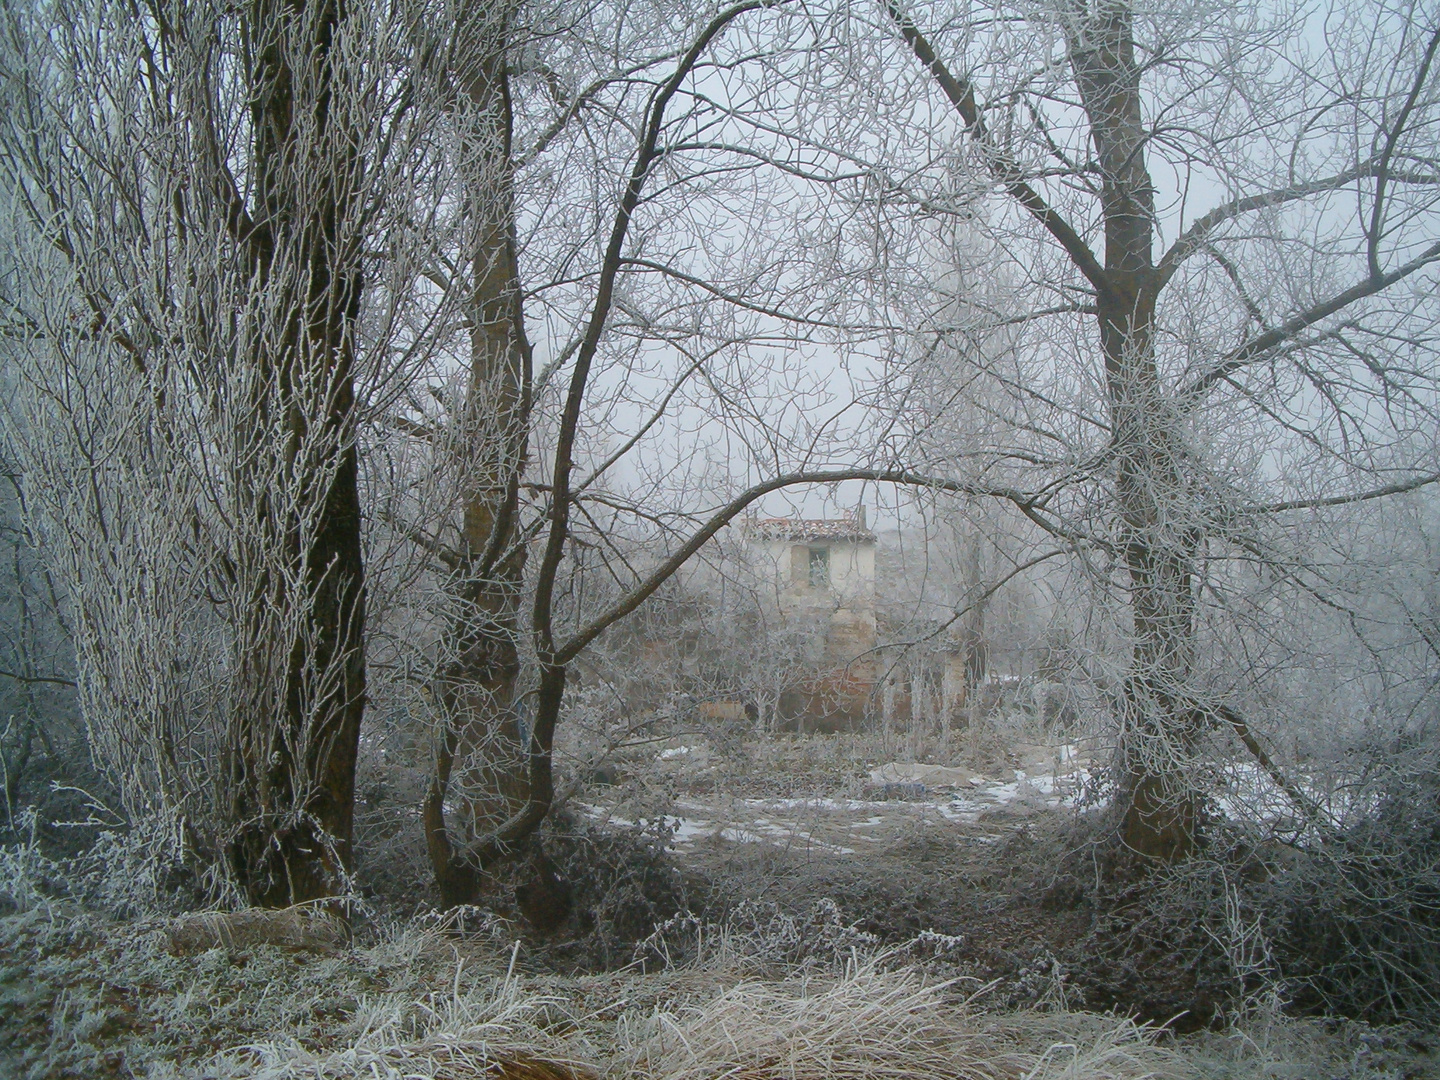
x: 1235, y: 383
x: 369, y: 365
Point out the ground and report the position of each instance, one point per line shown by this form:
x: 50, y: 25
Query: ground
x: 795, y: 907
x: 87, y: 997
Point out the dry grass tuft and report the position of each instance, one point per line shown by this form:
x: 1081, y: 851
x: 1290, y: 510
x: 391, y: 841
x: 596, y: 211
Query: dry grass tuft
x: 494, y: 1029
x: 290, y: 928
x: 879, y: 1023
x: 868, y: 1023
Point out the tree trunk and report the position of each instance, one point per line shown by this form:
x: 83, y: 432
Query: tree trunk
x: 483, y: 727
x: 295, y: 741
x: 1157, y: 538
x: 972, y: 628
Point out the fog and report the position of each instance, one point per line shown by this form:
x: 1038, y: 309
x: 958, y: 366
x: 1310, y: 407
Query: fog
x: 836, y: 503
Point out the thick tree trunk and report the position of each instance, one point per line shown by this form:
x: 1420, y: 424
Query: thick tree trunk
x: 1157, y: 537
x: 295, y: 742
x: 484, y: 732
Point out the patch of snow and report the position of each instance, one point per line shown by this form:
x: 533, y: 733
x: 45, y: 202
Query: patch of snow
x: 902, y: 772
x: 688, y: 830
x: 1042, y: 784
x: 960, y: 810
x: 1246, y: 792
x: 740, y: 836
x: 775, y: 834
x: 791, y: 821
x: 815, y: 804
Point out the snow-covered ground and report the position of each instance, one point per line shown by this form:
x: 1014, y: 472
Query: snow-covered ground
x: 901, y: 794
x: 1245, y: 792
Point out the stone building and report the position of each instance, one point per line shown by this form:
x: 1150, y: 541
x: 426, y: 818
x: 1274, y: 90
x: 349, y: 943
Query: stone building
x: 822, y: 574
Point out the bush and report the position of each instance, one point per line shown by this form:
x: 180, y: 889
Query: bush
x: 129, y: 870
x: 761, y: 935
x: 1357, y: 919
x: 622, y: 882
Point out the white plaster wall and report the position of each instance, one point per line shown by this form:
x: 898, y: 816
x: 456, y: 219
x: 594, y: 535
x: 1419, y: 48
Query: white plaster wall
x: 852, y: 568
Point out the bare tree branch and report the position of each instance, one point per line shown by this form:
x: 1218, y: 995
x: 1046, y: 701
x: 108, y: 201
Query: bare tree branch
x: 55, y: 679
x: 1198, y: 235
x: 646, y: 154
x: 736, y: 506
x: 1398, y: 488
x: 962, y: 97
x: 1257, y: 347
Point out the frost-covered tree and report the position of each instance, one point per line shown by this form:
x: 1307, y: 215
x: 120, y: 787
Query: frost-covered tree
x: 195, y: 198
x: 1219, y: 228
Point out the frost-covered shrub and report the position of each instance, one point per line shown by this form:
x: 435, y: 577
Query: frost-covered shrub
x: 27, y: 878
x: 128, y: 870
x: 1357, y: 919
x: 759, y: 933
x: 622, y: 882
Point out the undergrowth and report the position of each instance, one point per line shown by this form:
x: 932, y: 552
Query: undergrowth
x: 931, y: 956
x: 83, y: 995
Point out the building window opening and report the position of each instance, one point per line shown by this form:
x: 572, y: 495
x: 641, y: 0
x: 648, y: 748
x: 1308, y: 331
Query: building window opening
x: 819, y: 568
